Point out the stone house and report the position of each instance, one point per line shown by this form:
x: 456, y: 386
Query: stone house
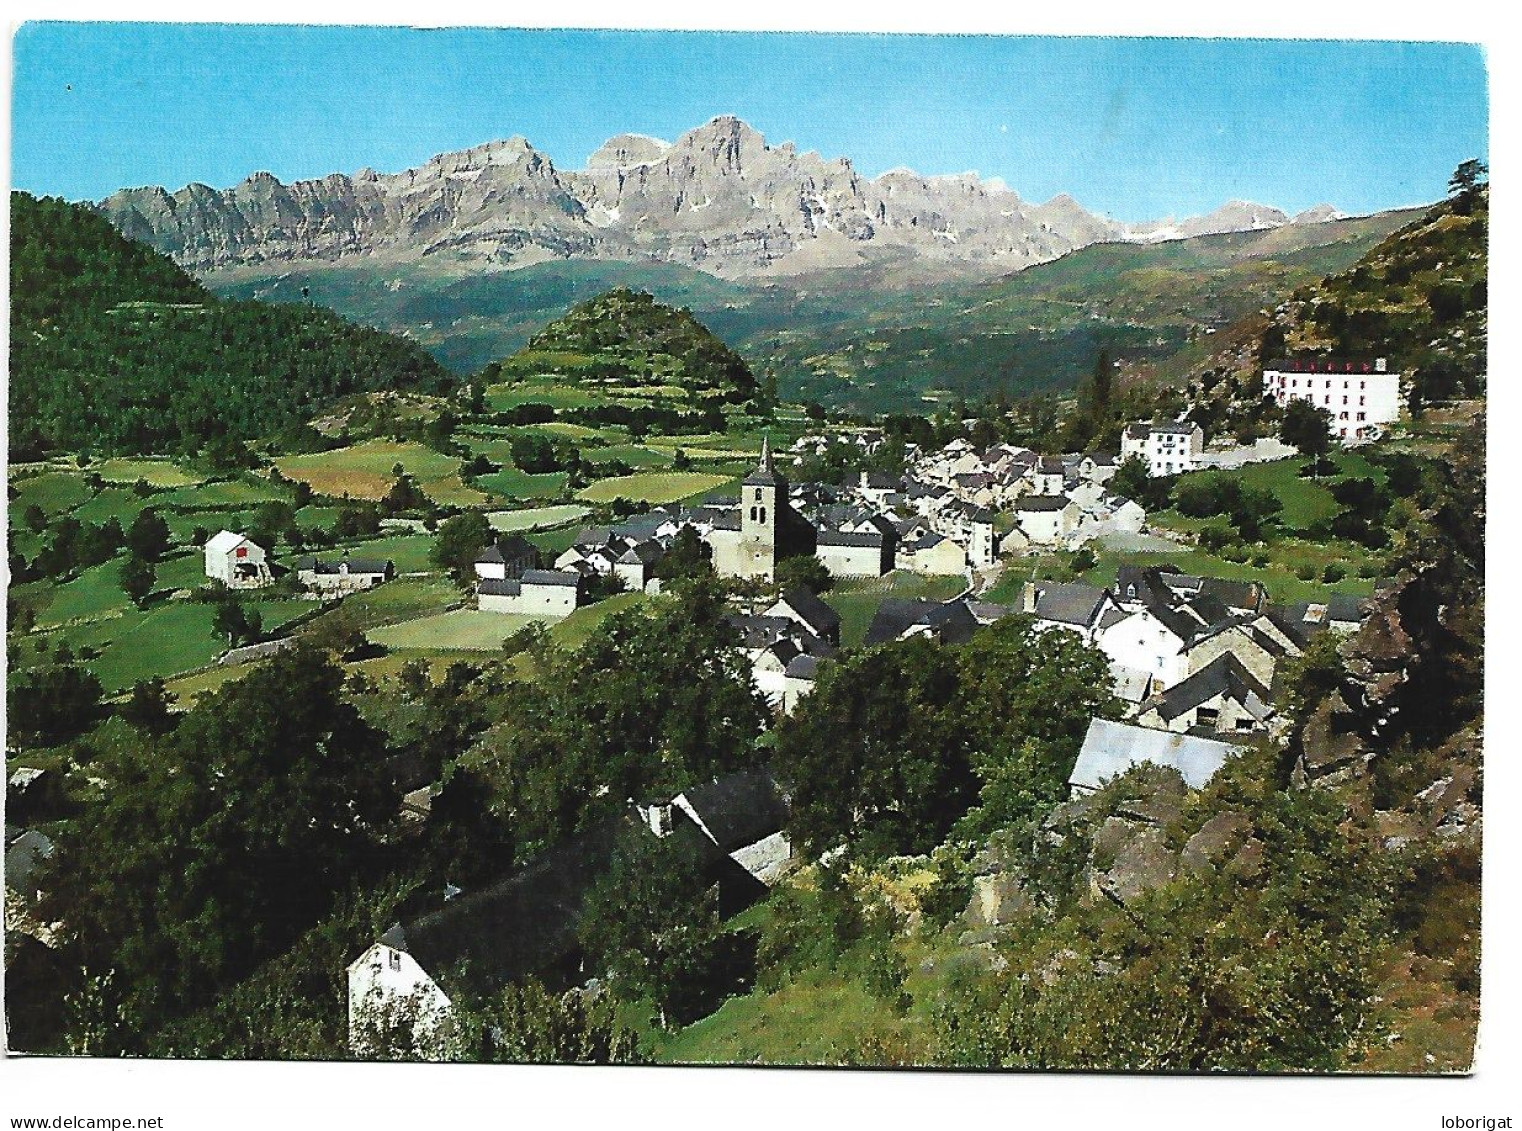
x: 507, y: 558
x: 337, y: 576
x: 1223, y: 697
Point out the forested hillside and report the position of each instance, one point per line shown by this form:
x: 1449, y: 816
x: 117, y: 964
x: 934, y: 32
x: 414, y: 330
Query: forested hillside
x: 1418, y: 298
x: 114, y: 349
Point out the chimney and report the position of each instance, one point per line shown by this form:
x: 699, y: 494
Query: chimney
x: 1029, y: 597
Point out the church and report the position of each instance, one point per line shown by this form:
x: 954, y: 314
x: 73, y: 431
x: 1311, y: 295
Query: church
x: 768, y: 528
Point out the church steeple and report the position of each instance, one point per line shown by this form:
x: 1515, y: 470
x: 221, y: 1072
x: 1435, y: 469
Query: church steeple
x: 765, y: 474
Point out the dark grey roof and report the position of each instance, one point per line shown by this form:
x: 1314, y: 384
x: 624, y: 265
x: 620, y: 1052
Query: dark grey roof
x: 513, y: 547
x: 952, y: 623
x: 881, y: 481
x: 1344, y: 608
x: 593, y: 536
x: 739, y: 809
x: 803, y: 667
x: 521, y: 925
x: 1040, y: 503
x: 1330, y: 366
x: 1050, y: 465
x: 645, y: 553
x: 872, y: 538
x: 1225, y: 674
x: 550, y: 577
x: 499, y: 587
x: 335, y: 565
x: 1067, y: 602
x: 819, y: 616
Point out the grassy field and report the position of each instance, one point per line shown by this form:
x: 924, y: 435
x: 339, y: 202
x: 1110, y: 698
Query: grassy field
x: 652, y: 487
x: 457, y: 630
x: 857, y: 601
x: 363, y: 471
x: 404, y: 597
x: 158, y: 472
x: 1278, y: 577
x: 536, y: 518
x: 244, y: 492
x: 510, y: 483
x: 53, y: 491
x: 409, y: 552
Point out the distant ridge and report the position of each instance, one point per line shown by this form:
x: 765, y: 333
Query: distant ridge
x: 718, y: 198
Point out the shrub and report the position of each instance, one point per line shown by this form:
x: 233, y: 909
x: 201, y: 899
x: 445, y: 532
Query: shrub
x: 1335, y: 571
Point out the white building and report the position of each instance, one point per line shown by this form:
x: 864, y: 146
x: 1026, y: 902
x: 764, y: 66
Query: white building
x: 236, y: 562
x: 387, y: 986
x: 538, y: 593
x: 1362, y: 396
x: 1167, y: 449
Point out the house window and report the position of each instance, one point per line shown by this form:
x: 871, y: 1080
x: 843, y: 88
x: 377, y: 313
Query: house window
x: 758, y: 494
x: 763, y: 509
x: 396, y: 960
x: 1361, y: 415
x: 241, y: 552
x: 1207, y: 716
x: 753, y: 514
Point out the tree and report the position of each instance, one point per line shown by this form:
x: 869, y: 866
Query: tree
x: 147, y: 708
x: 238, y: 624
x: 1307, y: 427
x: 1133, y: 480
x: 688, y: 557
x: 47, y: 704
x: 263, y: 804
x: 1025, y: 698
x: 528, y: 1025
x: 875, y: 753
x: 460, y: 542
x: 652, y: 920
x: 148, y: 536
x: 803, y: 571
x: 1467, y: 178
x: 137, y: 578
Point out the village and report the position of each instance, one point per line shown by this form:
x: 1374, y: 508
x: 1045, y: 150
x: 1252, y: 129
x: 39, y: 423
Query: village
x: 1193, y: 659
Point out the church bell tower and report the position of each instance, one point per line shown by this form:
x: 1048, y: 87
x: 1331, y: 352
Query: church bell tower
x: 763, y: 496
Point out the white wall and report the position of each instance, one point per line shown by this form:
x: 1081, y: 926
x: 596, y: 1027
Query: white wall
x: 1141, y: 641
x: 1347, y: 396
x: 384, y: 980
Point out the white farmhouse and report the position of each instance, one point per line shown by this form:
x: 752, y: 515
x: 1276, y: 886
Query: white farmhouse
x: 1362, y: 396
x: 236, y: 562
x: 1166, y: 449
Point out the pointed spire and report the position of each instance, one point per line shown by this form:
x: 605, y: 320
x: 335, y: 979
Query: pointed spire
x: 766, y: 471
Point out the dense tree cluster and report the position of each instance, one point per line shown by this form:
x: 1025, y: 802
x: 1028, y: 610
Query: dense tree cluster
x: 899, y: 743
x: 114, y: 348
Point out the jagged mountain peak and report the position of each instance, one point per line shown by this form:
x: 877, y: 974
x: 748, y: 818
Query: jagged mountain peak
x: 718, y: 197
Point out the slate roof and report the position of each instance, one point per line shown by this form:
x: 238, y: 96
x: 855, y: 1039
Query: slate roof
x: 1067, y: 602
x: 1040, y: 503
x: 513, y: 547
x: 824, y: 620
x: 951, y: 623
x: 865, y: 538
x: 499, y: 587
x: 25, y: 858
x: 1224, y: 675
x: 803, y: 667
x: 1130, y: 684
x: 551, y: 577
x: 518, y: 926
x: 1331, y: 366
x: 335, y: 565
x: 644, y: 553
x: 1110, y: 749
x: 738, y: 809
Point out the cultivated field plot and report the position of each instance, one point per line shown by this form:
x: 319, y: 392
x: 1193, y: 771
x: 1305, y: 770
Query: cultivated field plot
x: 244, y: 492
x: 53, y: 491
x: 364, y: 471
x: 460, y: 629
x: 157, y: 472
x: 510, y: 483
x: 652, y: 487
x: 536, y: 518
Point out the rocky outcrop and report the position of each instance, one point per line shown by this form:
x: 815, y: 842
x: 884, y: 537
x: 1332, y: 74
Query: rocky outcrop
x: 719, y: 198
x: 1131, y: 837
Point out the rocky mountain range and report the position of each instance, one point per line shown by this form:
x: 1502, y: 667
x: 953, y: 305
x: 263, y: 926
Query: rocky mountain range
x: 719, y: 198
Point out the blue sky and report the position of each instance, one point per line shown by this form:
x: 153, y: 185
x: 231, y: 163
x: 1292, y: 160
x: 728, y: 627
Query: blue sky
x: 1136, y: 128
